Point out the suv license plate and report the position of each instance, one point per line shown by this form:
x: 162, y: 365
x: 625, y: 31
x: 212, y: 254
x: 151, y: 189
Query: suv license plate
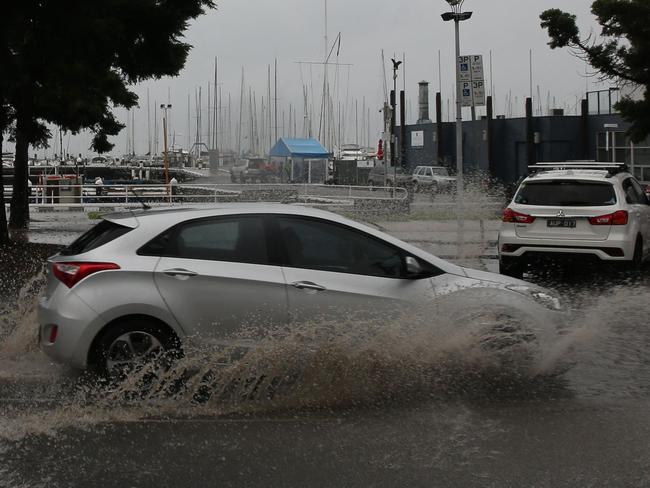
x: 567, y: 223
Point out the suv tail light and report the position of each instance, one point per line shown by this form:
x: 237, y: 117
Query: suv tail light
x: 617, y: 218
x: 509, y: 215
x: 72, y: 273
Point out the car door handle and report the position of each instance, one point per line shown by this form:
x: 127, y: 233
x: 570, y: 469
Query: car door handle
x: 180, y: 272
x: 308, y: 285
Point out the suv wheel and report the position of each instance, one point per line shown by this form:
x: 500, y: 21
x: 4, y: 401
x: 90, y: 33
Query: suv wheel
x: 637, y: 259
x: 131, y: 344
x: 512, y: 266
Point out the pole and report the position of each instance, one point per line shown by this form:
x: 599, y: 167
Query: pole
x: 459, y: 143
x: 166, y: 158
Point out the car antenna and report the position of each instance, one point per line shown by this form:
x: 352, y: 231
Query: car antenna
x: 140, y: 200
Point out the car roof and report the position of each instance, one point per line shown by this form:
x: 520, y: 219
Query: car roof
x: 172, y: 216
x: 582, y: 174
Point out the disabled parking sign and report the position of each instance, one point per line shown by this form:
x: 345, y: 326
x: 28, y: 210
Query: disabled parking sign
x: 472, y: 84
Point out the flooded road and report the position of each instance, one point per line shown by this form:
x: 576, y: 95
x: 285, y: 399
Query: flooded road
x: 400, y: 411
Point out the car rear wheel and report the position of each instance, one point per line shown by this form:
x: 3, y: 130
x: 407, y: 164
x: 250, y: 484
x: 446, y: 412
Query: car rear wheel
x: 511, y: 266
x: 132, y: 344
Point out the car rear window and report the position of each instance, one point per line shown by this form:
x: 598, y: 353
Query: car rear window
x: 566, y: 193
x: 101, y: 234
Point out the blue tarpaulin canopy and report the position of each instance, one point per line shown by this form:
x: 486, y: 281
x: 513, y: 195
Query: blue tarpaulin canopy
x: 299, y: 148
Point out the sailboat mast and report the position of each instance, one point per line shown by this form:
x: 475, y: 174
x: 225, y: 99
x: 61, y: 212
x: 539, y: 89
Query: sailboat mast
x: 276, y: 99
x: 268, y: 86
x: 209, y: 134
x: 241, y: 107
x: 148, y: 124
x: 216, y: 106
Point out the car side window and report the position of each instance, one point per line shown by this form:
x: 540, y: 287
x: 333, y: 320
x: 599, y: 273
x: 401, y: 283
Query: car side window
x: 325, y: 246
x: 233, y: 239
x: 631, y: 195
x: 640, y: 193
x: 429, y: 172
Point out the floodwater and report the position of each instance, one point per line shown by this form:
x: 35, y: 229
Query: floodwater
x: 347, y: 403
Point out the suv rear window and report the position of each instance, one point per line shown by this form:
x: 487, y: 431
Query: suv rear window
x: 101, y: 234
x: 566, y: 193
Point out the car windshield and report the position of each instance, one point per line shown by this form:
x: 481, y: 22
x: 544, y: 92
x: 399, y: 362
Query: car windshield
x: 566, y: 193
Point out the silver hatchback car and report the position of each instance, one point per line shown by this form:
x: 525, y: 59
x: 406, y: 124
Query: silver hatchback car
x: 143, y: 282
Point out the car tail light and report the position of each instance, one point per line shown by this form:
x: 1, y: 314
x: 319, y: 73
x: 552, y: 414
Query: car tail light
x: 617, y: 218
x: 509, y: 215
x: 72, y: 273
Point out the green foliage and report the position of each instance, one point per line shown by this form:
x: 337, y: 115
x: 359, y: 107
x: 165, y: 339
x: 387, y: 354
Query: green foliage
x: 621, y: 53
x: 70, y: 63
x: 561, y: 27
x: 73, y: 60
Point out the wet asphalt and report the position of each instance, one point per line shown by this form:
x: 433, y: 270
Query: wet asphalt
x: 588, y: 427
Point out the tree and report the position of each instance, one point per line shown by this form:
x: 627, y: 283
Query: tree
x: 72, y: 62
x: 6, y: 116
x: 622, y: 52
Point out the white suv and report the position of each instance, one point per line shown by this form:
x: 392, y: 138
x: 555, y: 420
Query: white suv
x: 589, y: 209
x: 434, y: 178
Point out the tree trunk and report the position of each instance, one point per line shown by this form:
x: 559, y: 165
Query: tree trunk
x: 19, y: 215
x: 4, y: 231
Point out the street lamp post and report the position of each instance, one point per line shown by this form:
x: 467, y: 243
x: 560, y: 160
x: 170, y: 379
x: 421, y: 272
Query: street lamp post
x: 164, y: 109
x: 457, y: 15
x: 393, y: 120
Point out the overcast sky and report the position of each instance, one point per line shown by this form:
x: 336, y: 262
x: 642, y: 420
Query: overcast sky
x: 253, y: 33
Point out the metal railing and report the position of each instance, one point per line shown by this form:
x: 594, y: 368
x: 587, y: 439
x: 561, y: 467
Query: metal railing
x: 126, y: 195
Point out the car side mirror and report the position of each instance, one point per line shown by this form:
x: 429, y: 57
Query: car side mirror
x: 413, y: 267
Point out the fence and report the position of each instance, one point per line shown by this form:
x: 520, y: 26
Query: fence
x: 125, y: 196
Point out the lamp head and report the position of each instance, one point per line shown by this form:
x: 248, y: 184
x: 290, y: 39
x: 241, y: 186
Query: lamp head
x: 456, y: 5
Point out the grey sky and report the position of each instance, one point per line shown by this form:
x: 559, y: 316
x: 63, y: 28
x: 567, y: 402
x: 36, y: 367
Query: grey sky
x: 252, y: 33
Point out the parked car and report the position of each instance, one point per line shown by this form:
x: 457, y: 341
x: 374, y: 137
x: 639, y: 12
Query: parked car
x: 382, y: 175
x: 253, y: 170
x: 600, y: 212
x: 433, y: 179
x: 151, y: 281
